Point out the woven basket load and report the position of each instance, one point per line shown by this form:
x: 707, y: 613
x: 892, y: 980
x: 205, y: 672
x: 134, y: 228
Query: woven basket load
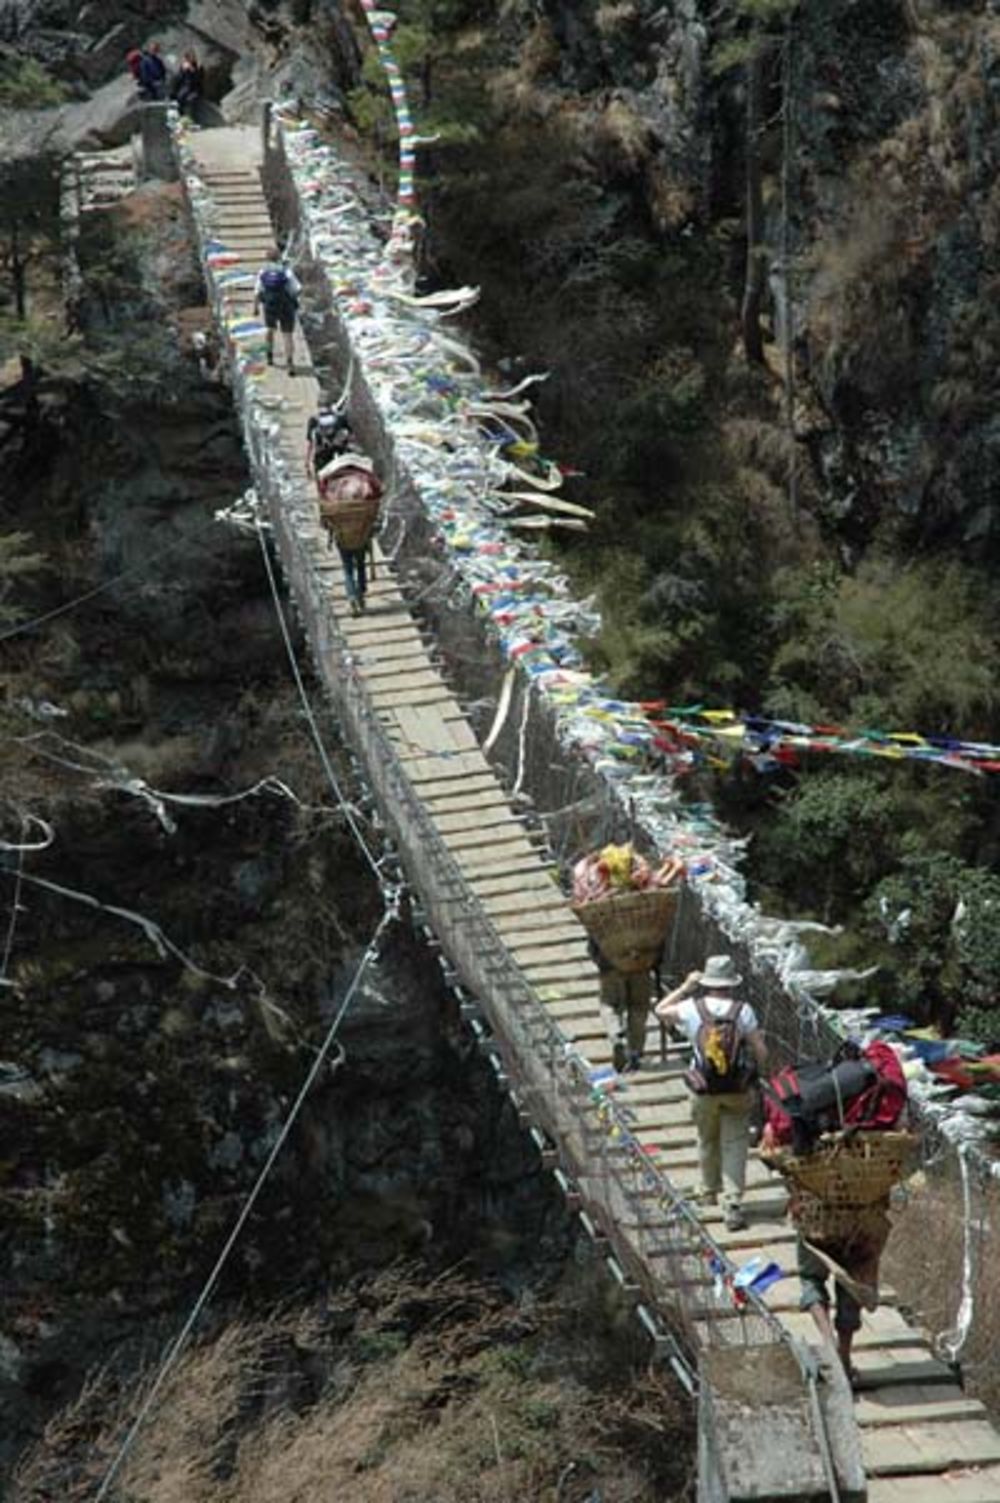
x: 849, y: 1169
x: 352, y: 522
x: 829, y: 1224
x: 630, y: 926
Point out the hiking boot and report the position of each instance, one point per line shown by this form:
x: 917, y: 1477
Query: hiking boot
x: 702, y: 1197
x: 270, y: 357
x: 355, y: 607
x: 633, y: 1063
x: 619, y: 1056
x: 735, y: 1219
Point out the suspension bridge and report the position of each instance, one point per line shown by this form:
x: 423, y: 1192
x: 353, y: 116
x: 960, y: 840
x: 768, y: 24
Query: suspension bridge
x: 771, y: 1425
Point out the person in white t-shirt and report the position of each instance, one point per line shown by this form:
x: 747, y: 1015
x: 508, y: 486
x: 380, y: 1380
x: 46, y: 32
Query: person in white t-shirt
x: 721, y: 1116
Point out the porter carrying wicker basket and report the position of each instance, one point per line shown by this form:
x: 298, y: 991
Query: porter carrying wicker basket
x: 629, y: 927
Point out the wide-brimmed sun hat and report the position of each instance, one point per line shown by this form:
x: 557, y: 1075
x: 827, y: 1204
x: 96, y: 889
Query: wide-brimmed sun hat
x: 720, y: 971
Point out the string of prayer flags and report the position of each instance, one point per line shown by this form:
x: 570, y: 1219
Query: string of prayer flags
x: 771, y: 744
x: 424, y: 382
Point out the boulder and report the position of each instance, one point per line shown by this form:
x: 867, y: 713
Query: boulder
x: 106, y: 55
x: 223, y: 23
x: 110, y: 118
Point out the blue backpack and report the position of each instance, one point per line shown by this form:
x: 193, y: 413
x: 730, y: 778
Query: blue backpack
x: 274, y: 286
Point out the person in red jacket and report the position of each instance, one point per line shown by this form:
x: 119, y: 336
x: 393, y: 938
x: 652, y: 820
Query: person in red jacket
x: 863, y: 1090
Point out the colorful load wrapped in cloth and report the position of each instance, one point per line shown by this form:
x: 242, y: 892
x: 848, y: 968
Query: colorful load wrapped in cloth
x: 350, y: 494
x: 626, y: 905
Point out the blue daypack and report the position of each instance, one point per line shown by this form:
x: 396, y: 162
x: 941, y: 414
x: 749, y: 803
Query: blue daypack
x: 274, y: 286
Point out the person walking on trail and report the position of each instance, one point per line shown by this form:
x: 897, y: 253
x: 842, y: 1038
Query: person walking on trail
x: 853, y: 1264
x: 328, y: 435
x: 152, y: 74
x: 349, y: 496
x: 277, y: 292
x: 817, y: 1114
x: 626, y: 997
x: 728, y: 1051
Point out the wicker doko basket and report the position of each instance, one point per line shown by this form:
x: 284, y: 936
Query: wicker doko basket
x: 842, y: 1188
x: 351, y: 522
x: 629, y: 926
x: 840, y: 1226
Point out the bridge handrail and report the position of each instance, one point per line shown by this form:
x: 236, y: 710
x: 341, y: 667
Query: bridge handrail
x: 665, y: 1230
x: 672, y: 1231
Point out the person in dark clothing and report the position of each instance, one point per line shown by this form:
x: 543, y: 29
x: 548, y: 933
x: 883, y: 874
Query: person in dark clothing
x: 625, y: 1002
x: 328, y: 434
x: 189, y: 85
x: 152, y: 74
x: 349, y: 496
x: 852, y: 1262
x: 277, y: 292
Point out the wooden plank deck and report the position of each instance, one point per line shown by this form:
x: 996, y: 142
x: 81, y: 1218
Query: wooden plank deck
x: 924, y: 1441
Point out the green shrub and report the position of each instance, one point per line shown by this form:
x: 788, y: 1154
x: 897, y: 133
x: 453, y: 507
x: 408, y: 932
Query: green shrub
x: 941, y: 917
x: 25, y: 85
x: 826, y: 844
x: 17, y: 564
x: 892, y: 647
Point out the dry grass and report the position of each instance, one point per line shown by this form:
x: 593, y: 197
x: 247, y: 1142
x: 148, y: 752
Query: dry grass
x: 539, y: 60
x: 440, y: 1391
x: 924, y: 1262
x: 623, y: 137
x: 614, y: 16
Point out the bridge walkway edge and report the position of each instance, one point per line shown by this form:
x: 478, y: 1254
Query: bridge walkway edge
x: 923, y: 1440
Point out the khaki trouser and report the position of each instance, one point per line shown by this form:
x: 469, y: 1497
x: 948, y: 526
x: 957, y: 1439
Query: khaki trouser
x: 723, y: 1124
x: 625, y: 1003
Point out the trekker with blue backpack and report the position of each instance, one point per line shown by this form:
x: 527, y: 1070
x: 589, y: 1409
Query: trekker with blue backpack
x: 277, y: 293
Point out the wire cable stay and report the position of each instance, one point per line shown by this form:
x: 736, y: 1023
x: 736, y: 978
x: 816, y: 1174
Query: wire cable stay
x: 180, y: 1341
x: 15, y: 903
x: 158, y: 937
x: 350, y: 813
x: 22, y: 627
x: 110, y: 775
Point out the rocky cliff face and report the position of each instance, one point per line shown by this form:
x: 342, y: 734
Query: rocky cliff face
x: 173, y: 958
x: 895, y: 169
x: 878, y: 158
x: 878, y: 145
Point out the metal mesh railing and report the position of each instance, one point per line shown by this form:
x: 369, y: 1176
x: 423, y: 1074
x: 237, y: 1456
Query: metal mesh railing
x: 654, y: 1229
x: 663, y: 1248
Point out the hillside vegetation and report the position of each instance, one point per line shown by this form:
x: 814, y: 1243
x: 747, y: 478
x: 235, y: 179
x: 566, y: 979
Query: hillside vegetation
x: 790, y: 470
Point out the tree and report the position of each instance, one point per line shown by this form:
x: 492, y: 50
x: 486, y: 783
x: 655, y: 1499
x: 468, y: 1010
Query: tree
x: 16, y: 564
x: 25, y: 85
x: 753, y: 280
x: 753, y: 43
x: 940, y: 916
x: 30, y: 228
x: 832, y: 838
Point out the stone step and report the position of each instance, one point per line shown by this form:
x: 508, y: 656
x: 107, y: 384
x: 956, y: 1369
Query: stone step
x: 929, y: 1446
x: 979, y: 1486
